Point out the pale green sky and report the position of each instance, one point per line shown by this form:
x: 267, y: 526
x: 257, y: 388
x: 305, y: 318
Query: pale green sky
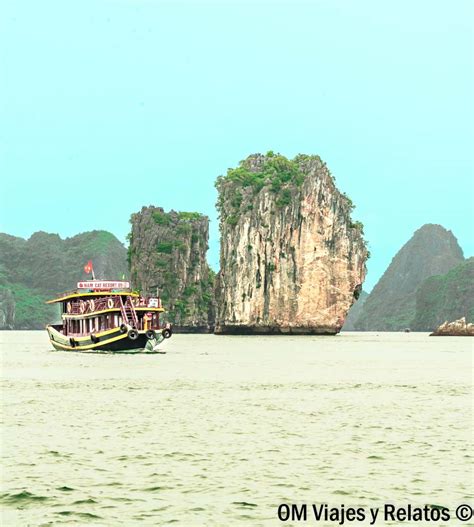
x: 110, y: 105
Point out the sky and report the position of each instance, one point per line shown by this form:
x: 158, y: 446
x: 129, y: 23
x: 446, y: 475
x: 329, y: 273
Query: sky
x: 110, y: 105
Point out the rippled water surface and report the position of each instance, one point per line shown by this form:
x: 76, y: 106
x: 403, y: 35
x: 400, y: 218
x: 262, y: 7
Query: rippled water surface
x: 221, y: 430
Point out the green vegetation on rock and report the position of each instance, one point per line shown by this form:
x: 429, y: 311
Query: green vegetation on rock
x: 160, y: 218
x: 190, y: 216
x: 273, y: 173
x: 165, y: 247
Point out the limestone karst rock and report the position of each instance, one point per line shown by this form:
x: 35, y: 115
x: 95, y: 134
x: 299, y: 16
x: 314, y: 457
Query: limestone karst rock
x: 457, y: 328
x: 167, y: 254
x: 292, y: 260
x: 391, y: 306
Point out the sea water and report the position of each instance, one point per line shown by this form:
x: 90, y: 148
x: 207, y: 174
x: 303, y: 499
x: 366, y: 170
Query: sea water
x: 224, y: 430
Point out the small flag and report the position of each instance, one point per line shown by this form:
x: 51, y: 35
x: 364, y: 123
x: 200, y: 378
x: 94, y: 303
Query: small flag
x: 88, y: 269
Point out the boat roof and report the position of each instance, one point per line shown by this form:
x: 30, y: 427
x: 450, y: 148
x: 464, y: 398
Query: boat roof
x: 63, y: 297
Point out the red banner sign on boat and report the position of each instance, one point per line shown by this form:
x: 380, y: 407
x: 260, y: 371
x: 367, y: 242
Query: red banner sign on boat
x: 103, y: 284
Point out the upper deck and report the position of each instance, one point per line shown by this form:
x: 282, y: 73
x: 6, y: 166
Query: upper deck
x: 100, y: 305
x: 100, y: 296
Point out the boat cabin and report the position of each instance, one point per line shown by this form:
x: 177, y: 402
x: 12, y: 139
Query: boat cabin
x: 99, y: 305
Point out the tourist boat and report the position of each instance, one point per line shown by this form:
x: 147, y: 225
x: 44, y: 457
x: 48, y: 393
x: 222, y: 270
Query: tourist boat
x: 102, y: 315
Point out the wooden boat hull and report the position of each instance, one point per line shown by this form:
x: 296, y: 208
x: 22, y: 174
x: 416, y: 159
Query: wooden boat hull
x: 113, y: 340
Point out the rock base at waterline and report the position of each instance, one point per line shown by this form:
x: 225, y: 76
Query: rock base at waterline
x: 275, y: 330
x: 458, y: 328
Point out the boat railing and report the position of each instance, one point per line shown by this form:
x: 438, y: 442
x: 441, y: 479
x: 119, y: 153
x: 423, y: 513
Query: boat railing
x: 148, y: 301
x: 83, y: 307
x: 92, y: 305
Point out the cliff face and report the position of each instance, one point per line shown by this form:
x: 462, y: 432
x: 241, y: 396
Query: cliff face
x: 445, y: 297
x: 168, y: 253
x: 292, y: 261
x: 391, y: 306
x: 34, y: 270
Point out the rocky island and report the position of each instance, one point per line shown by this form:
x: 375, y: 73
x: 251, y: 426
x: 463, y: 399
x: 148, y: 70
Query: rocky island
x: 292, y: 260
x: 409, y: 295
x: 167, y: 255
x: 458, y: 328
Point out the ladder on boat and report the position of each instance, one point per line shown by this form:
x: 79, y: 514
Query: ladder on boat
x: 129, y: 314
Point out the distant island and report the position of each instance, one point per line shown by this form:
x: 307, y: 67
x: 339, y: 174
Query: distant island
x: 427, y: 283
x: 292, y: 262
x: 34, y: 270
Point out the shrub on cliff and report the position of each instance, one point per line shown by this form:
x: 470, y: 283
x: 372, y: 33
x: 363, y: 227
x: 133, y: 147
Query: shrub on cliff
x: 190, y: 216
x: 164, y: 247
x: 161, y: 218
